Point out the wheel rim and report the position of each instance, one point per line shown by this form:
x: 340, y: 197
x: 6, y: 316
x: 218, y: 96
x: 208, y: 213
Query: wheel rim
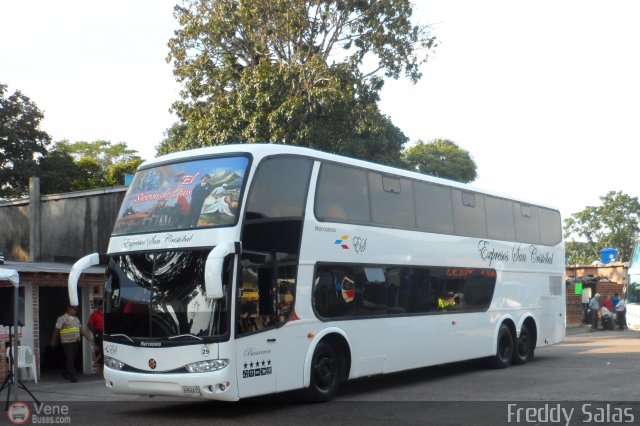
x: 523, y: 343
x: 504, y: 349
x: 325, y: 371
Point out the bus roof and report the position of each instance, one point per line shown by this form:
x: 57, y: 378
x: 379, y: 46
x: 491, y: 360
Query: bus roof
x: 261, y: 150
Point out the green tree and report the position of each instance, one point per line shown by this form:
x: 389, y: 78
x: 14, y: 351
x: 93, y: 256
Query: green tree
x: 441, y: 158
x: 85, y: 165
x: 291, y: 71
x: 615, y: 223
x: 58, y: 173
x: 178, y: 137
x: 21, y: 142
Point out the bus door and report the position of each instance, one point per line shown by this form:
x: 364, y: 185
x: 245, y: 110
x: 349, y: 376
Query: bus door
x: 256, y: 320
x: 553, y: 309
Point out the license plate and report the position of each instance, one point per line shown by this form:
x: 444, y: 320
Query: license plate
x: 191, y: 390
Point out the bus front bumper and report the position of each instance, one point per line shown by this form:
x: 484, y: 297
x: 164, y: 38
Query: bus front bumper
x: 218, y: 385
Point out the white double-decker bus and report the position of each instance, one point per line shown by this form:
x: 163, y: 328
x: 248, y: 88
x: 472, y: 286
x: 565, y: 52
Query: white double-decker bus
x: 243, y: 270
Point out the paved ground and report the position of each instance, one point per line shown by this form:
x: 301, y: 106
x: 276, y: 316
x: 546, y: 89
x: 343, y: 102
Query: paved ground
x: 92, y: 387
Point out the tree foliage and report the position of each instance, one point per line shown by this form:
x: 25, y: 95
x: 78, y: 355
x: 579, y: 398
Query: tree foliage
x: 103, y: 163
x: 21, y: 142
x: 615, y: 223
x: 86, y: 165
x: 58, y: 173
x: 292, y: 72
x: 441, y: 158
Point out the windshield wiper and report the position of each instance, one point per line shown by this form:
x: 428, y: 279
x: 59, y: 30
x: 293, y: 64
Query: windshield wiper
x: 122, y: 335
x: 185, y: 335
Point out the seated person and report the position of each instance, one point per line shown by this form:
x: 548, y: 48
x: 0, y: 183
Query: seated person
x: 608, y: 318
x: 448, y: 302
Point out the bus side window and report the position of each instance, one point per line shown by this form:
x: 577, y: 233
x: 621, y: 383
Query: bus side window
x: 334, y: 293
x: 267, y: 297
x: 324, y: 295
x: 286, y: 291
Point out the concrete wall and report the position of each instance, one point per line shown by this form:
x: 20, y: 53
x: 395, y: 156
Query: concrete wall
x: 74, y: 227
x: 14, y: 230
x: 70, y: 225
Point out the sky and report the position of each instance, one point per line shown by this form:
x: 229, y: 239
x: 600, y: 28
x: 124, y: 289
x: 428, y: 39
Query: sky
x: 544, y: 95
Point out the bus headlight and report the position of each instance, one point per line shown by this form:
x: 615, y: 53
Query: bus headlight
x: 113, y: 363
x: 206, y: 366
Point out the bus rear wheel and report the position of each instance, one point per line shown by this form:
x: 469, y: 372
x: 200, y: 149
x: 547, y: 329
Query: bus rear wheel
x: 504, y: 349
x: 325, y: 373
x: 524, y: 347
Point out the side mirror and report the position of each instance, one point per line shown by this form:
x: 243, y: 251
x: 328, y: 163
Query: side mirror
x: 76, y: 271
x: 213, y: 268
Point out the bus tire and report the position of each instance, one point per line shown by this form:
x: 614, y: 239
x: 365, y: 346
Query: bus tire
x: 504, y: 348
x: 524, y: 346
x: 325, y: 373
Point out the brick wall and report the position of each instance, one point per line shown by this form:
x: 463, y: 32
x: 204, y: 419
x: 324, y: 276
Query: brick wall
x: 574, y: 301
x: 607, y: 279
x: 616, y: 272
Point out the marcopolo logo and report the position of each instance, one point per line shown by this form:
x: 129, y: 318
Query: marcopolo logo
x: 358, y: 244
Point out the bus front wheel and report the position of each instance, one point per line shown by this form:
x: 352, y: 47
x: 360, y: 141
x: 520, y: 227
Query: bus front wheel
x: 504, y: 349
x: 325, y: 373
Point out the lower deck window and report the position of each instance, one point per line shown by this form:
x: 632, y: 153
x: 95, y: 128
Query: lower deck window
x: 347, y: 290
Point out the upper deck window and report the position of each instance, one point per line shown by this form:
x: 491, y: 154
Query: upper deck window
x: 185, y: 195
x: 279, y: 188
x: 342, y: 194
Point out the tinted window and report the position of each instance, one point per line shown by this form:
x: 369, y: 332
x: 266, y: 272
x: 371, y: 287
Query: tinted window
x: 279, y: 188
x: 346, y: 194
x: 342, y: 194
x: 499, y: 213
x: 365, y: 291
x: 468, y: 214
x: 526, y: 221
x: 434, y: 211
x: 391, y: 201
x: 550, y: 226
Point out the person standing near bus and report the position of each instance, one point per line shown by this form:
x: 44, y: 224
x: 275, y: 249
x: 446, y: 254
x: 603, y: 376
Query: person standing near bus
x: 96, y: 325
x: 594, y: 308
x: 614, y: 300
x: 621, y: 314
x: 69, y: 329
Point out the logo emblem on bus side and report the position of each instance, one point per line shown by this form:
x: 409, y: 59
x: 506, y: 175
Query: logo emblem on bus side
x: 205, y: 351
x: 342, y: 242
x: 153, y: 364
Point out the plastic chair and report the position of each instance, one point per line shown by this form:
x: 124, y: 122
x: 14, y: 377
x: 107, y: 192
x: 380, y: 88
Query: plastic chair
x: 28, y: 361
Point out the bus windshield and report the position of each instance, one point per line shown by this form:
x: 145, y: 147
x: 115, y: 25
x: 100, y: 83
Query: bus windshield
x: 162, y: 295
x: 184, y: 195
x: 633, y: 289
